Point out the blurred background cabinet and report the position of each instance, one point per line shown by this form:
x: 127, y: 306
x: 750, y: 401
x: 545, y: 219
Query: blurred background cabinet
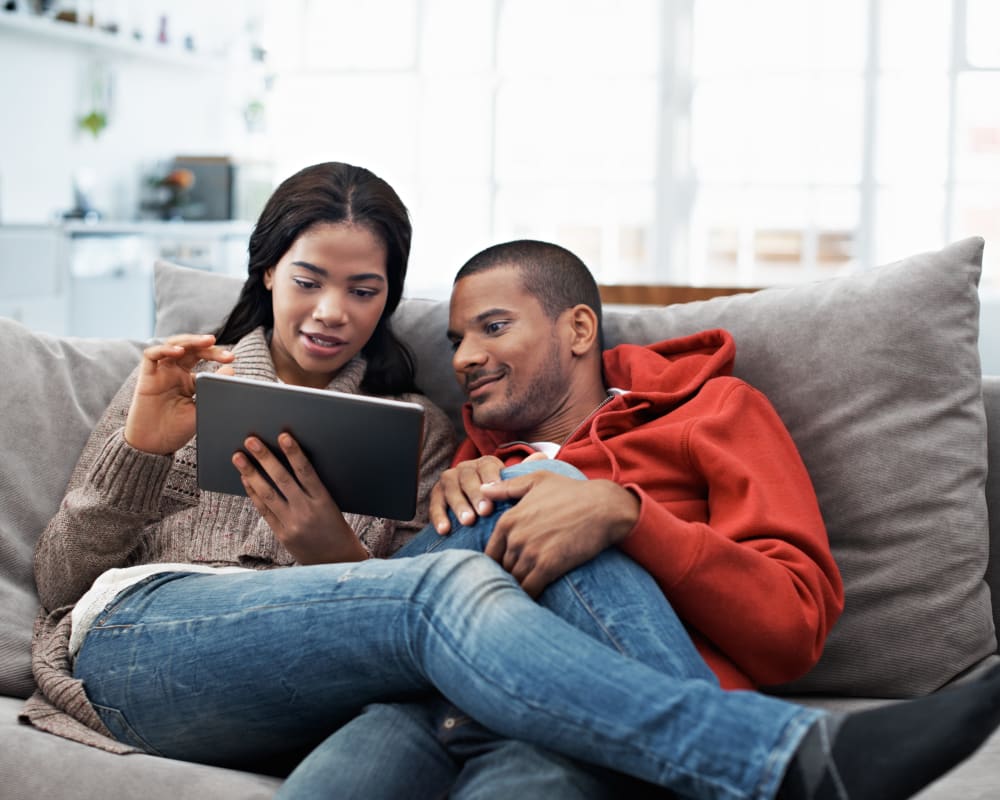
x: 91, y: 279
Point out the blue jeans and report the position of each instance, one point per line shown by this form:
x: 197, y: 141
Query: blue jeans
x: 429, y: 749
x: 233, y: 669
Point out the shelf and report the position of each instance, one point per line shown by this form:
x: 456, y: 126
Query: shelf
x: 104, y: 41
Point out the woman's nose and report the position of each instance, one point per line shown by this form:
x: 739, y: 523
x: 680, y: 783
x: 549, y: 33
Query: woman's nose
x: 329, y: 310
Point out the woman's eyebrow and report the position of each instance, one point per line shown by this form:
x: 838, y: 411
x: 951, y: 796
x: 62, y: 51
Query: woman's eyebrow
x: 311, y: 267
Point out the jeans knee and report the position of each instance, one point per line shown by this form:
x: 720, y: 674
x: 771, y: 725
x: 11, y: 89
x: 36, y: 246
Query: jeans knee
x: 464, y: 578
x: 546, y: 464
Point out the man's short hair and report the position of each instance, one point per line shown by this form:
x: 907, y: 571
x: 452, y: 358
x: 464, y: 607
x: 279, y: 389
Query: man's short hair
x: 552, y: 274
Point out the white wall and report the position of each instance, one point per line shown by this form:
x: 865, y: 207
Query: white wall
x: 160, y: 109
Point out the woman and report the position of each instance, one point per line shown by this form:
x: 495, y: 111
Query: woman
x: 327, y: 261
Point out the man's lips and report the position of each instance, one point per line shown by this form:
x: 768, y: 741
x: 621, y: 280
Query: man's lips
x: 473, y: 383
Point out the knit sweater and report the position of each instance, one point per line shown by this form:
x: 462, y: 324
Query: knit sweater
x: 124, y: 507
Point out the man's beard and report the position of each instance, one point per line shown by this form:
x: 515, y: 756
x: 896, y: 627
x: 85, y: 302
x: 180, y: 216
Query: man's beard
x: 525, y: 408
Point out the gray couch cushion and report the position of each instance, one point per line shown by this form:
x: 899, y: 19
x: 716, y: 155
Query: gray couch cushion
x: 877, y: 377
x: 36, y: 765
x: 52, y: 395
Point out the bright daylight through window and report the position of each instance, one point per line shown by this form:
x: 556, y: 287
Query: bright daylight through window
x: 666, y: 141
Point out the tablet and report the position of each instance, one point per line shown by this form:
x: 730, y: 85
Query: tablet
x: 366, y: 450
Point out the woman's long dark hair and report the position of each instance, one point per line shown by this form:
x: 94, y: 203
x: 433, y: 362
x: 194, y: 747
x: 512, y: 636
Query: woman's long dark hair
x: 331, y: 193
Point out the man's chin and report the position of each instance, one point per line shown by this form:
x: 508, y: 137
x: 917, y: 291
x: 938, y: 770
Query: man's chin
x: 485, y: 417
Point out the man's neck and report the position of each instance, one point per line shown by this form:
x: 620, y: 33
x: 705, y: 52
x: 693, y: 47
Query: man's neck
x: 565, y: 420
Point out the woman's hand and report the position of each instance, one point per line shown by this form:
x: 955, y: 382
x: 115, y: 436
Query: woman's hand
x: 161, y: 418
x: 300, y: 511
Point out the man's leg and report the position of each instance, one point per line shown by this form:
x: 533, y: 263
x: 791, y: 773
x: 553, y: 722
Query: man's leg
x: 389, y: 750
x: 611, y: 598
x: 493, y: 767
x: 429, y: 750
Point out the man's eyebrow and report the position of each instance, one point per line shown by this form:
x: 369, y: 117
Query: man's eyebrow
x: 480, y: 318
x: 361, y: 276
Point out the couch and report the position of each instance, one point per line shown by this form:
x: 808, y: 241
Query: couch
x: 876, y: 375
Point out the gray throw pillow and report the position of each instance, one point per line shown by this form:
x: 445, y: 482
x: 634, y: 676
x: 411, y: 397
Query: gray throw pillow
x: 191, y: 300
x: 877, y: 377
x: 52, y: 396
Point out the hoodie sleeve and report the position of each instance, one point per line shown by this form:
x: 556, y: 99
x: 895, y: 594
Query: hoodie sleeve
x: 757, y: 578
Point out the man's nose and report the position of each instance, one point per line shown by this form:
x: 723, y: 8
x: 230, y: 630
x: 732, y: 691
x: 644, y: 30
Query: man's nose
x: 467, y: 355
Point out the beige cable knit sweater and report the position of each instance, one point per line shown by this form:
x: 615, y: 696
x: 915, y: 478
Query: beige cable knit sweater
x: 124, y: 507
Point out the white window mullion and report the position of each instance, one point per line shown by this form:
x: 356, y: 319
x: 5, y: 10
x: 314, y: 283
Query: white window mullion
x: 869, y: 188
x: 672, y: 215
x: 957, y: 62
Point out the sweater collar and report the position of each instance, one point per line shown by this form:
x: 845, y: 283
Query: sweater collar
x: 253, y: 360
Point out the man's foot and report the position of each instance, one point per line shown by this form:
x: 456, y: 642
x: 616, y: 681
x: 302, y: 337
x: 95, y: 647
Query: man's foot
x: 894, y: 751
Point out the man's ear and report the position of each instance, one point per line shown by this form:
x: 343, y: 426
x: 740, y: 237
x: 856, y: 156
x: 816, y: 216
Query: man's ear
x: 583, y: 324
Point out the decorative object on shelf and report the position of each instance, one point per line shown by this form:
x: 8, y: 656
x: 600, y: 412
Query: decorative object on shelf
x: 172, y: 195
x: 98, y: 94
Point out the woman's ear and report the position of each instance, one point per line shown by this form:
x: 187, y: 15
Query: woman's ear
x: 269, y: 278
x: 583, y: 322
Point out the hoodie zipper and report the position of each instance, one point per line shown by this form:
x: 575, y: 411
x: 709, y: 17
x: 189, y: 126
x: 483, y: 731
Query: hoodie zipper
x: 611, y: 396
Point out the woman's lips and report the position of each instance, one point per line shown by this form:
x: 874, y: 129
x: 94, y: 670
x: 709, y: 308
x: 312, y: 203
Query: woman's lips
x: 321, y: 344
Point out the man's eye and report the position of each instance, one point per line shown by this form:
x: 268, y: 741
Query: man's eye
x: 454, y: 344
x: 495, y: 327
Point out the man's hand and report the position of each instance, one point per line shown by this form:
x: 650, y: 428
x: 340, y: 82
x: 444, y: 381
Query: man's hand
x: 557, y: 524
x: 460, y: 489
x: 300, y: 512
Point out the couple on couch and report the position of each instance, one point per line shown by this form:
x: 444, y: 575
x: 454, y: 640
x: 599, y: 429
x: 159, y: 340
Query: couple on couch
x: 626, y: 545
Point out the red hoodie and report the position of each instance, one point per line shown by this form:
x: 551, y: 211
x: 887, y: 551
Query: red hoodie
x: 729, y: 524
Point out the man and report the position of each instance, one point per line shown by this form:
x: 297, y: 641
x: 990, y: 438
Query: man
x: 690, y: 473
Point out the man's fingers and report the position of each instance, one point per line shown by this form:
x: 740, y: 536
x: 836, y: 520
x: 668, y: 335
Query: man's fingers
x: 437, y: 510
x: 512, y: 489
x: 496, y: 547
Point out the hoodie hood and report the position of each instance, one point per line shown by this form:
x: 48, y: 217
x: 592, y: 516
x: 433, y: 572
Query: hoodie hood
x: 656, y: 378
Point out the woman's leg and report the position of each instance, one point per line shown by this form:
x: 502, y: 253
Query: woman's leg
x: 611, y: 598
x: 229, y: 668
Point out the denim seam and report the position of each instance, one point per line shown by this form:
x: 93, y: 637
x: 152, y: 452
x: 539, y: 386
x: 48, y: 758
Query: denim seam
x: 784, y: 749
x: 594, y: 616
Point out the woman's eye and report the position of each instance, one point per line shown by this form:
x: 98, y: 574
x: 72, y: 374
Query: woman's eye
x: 365, y: 292
x: 302, y: 283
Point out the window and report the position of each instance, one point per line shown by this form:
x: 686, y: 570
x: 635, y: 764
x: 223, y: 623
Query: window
x: 699, y: 141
